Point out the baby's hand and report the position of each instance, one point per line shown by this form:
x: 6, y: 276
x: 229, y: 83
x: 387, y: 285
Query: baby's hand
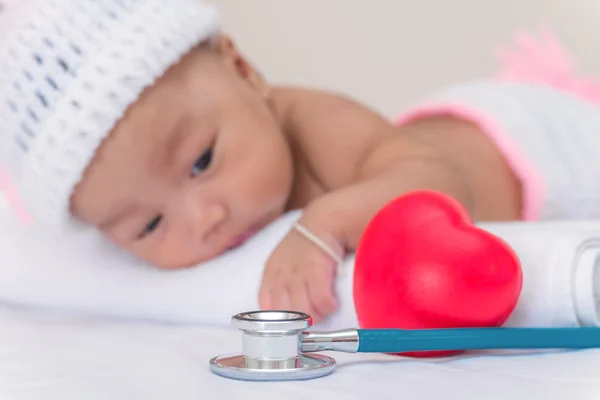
x: 299, y: 276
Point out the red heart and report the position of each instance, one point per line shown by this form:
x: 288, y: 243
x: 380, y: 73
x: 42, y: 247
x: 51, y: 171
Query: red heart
x: 421, y: 263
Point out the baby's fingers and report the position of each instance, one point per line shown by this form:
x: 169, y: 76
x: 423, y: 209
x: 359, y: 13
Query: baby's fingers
x: 265, y: 297
x: 270, y: 293
x: 321, y: 291
x: 300, y: 298
x: 275, y: 296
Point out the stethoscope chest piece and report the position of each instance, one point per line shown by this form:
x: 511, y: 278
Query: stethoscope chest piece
x: 279, y: 357
x: 303, y: 367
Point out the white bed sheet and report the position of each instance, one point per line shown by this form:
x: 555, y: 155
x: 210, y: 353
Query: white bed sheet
x: 49, y: 356
x: 57, y: 357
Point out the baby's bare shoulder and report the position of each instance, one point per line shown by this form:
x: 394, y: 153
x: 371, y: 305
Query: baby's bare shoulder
x: 341, y: 140
x: 331, y: 133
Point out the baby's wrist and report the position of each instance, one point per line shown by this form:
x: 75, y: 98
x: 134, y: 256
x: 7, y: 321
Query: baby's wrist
x: 317, y: 225
x: 340, y: 215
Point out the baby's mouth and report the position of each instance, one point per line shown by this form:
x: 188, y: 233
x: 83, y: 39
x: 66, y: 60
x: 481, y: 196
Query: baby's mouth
x: 243, y: 238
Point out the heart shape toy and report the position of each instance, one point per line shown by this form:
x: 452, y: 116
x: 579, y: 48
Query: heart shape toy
x: 422, y: 263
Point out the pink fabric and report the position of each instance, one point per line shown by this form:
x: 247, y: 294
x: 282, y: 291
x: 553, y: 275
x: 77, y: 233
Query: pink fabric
x: 540, y: 60
x: 544, y: 60
x: 9, y: 190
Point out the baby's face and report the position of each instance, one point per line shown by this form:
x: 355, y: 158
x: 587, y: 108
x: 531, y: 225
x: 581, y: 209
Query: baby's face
x: 194, y: 168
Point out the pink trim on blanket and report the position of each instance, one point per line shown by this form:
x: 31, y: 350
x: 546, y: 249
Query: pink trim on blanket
x: 530, y: 179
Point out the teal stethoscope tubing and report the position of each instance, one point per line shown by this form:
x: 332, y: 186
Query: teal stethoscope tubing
x: 401, y: 340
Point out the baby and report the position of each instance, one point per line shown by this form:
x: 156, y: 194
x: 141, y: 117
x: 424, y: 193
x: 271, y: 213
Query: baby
x: 141, y: 119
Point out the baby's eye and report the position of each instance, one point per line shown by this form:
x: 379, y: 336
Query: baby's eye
x: 203, y: 162
x: 151, y: 227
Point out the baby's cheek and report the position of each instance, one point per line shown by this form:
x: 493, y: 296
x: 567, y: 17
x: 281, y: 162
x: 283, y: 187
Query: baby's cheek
x: 163, y: 254
x: 176, y: 253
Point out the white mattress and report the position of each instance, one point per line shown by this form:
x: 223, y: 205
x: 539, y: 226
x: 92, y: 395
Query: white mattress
x: 53, y: 357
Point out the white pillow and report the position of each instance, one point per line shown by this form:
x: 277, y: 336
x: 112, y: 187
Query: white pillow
x: 85, y: 273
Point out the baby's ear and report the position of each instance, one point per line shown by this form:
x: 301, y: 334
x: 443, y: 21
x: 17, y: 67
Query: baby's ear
x: 234, y: 59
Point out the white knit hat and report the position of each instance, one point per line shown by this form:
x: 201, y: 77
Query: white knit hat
x: 69, y: 69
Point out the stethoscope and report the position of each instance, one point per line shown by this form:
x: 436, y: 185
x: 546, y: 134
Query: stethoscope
x: 276, y: 345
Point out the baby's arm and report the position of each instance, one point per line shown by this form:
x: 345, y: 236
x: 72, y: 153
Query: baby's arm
x: 363, y: 162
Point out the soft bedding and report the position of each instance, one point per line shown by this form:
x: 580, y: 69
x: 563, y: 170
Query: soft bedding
x: 52, y: 357
x: 73, y: 328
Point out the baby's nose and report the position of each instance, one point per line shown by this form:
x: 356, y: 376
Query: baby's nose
x: 206, y: 218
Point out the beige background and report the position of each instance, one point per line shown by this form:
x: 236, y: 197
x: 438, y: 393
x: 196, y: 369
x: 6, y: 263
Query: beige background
x: 390, y: 52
